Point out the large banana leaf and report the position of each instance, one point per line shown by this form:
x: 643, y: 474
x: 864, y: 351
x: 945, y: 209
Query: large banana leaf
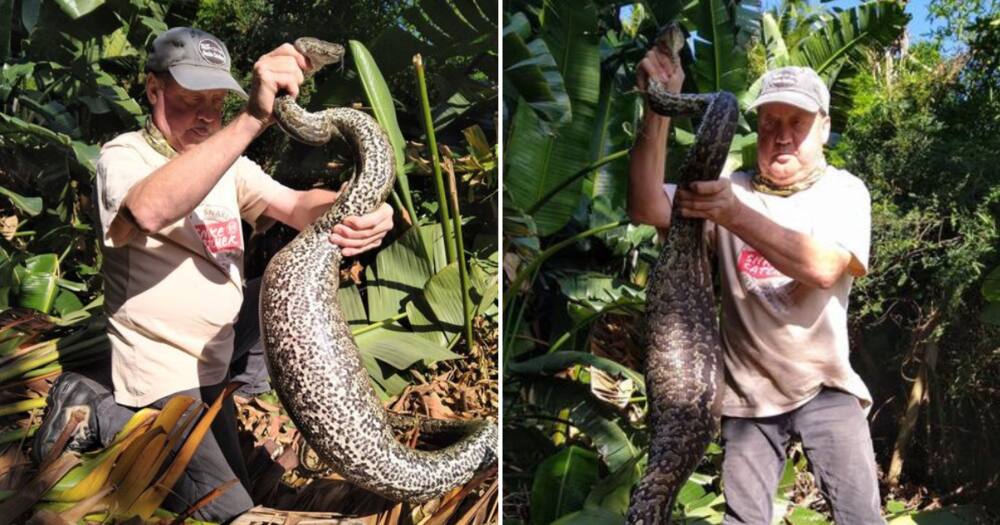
x: 774, y: 43
x: 539, y: 162
x: 530, y: 72
x: 847, y: 34
x: 720, y: 63
x: 616, y: 110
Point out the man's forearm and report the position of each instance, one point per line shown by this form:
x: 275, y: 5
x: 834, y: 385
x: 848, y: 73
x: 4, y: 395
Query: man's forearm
x: 312, y: 204
x: 794, y: 254
x: 647, y: 203
x: 176, y: 188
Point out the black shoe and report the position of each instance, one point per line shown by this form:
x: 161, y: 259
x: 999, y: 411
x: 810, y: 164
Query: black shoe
x: 71, y: 391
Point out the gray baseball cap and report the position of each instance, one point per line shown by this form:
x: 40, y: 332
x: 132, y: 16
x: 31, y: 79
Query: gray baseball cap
x: 196, y: 59
x: 798, y: 86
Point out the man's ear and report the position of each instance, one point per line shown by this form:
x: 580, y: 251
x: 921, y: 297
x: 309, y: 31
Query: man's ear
x: 826, y: 128
x: 154, y: 88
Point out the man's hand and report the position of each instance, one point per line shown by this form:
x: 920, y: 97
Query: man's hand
x: 713, y: 200
x: 280, y: 70
x: 360, y: 234
x: 661, y: 66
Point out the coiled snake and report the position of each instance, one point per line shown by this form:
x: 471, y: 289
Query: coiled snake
x: 312, y: 357
x: 684, y: 356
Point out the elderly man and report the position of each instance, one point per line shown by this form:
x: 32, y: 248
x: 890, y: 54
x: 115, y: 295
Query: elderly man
x: 790, y: 238
x: 170, y: 200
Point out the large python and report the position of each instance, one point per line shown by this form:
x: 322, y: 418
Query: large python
x: 683, y: 360
x: 312, y: 357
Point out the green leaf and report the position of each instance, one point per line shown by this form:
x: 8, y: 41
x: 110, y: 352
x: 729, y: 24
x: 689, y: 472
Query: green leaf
x: 380, y: 99
x: 538, y: 161
x: 561, y: 484
x: 616, y: 111
x: 559, y: 361
x: 399, y: 348
x: 720, y: 64
x: 777, y: 52
x: 66, y: 303
x: 30, y: 205
x: 38, y: 291
x: 77, y: 8
x: 787, y: 481
x: 689, y: 493
x: 443, y: 294
x: 377, y: 92
x: 848, y: 33
x: 352, y: 306
x: 400, y: 273
x: 44, y: 263
x: 895, y: 506
x: 587, y: 414
x: 805, y: 516
x: 531, y: 73
x: 613, y: 492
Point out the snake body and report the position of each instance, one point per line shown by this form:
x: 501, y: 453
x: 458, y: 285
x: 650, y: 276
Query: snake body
x: 312, y: 358
x: 684, y: 355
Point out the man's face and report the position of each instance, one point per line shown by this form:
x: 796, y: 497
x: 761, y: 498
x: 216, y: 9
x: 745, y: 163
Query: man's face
x: 186, y: 118
x: 789, y: 142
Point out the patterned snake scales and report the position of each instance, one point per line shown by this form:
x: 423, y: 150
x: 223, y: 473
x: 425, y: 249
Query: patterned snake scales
x: 683, y: 360
x: 313, y: 360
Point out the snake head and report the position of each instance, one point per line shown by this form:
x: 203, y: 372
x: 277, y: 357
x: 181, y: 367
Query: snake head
x: 319, y: 52
x: 670, y: 39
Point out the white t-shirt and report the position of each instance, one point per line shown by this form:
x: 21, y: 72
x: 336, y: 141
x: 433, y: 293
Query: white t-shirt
x: 172, y: 297
x: 784, y: 340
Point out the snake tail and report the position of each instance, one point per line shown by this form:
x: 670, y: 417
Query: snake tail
x: 684, y: 354
x: 313, y: 359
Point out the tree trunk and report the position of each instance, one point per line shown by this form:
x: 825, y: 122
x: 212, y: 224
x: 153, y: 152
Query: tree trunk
x: 918, y: 396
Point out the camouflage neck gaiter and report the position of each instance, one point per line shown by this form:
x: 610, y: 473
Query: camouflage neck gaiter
x: 156, y: 140
x: 764, y: 185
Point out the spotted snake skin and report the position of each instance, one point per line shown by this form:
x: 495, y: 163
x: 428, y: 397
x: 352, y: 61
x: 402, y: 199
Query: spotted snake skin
x: 684, y: 370
x: 312, y: 358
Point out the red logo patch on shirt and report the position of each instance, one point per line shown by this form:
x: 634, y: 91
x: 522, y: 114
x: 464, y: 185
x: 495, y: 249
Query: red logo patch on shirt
x: 752, y: 263
x: 223, y: 236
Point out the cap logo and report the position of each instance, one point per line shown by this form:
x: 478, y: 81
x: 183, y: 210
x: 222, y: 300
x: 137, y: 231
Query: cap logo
x: 212, y: 52
x: 784, y: 79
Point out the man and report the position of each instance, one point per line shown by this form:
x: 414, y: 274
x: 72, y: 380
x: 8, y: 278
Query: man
x: 790, y: 238
x: 170, y: 200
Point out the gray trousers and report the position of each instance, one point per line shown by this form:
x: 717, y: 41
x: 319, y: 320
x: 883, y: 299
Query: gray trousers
x: 837, y: 443
x: 218, y: 458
